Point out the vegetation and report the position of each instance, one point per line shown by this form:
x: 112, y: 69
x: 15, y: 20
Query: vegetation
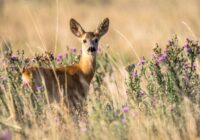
x: 162, y: 98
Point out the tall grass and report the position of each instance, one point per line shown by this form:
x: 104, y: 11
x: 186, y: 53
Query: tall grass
x: 159, y: 100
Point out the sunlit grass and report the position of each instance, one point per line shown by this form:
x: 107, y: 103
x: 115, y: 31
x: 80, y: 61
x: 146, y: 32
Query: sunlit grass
x: 145, y: 101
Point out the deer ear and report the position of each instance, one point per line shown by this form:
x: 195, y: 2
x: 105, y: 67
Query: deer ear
x: 76, y: 28
x: 103, y: 27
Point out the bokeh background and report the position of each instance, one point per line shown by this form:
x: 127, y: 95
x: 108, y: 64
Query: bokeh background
x: 136, y: 25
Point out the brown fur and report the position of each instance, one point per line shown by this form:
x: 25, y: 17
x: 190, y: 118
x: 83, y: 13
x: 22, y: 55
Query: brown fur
x: 71, y: 82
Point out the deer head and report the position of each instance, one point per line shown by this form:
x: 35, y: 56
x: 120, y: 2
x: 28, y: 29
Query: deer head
x: 90, y: 40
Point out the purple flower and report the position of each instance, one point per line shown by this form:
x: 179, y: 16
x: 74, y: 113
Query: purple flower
x: 59, y: 57
x: 5, y: 135
x: 187, y: 47
x: 14, y: 57
x: 162, y: 58
x: 142, y: 93
x: 40, y: 88
x: 186, y: 66
x: 125, y: 109
x: 135, y: 74
x: 74, y: 50
x: 198, y: 52
x: 142, y: 61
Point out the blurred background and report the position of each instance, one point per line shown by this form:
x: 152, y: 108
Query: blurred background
x: 136, y: 25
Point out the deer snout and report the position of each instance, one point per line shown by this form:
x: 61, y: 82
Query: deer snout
x: 92, y: 49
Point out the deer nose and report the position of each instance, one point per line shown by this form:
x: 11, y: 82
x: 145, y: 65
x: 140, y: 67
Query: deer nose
x: 91, y: 49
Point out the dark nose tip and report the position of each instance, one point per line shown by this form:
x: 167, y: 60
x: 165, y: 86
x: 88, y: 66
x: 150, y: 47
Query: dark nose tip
x: 91, y: 49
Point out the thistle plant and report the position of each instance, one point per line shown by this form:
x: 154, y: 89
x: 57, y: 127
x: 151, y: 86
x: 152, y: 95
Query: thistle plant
x: 170, y: 75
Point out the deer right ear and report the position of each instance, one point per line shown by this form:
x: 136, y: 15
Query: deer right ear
x: 76, y: 28
x: 103, y: 27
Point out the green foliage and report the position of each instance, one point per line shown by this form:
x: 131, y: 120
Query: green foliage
x: 170, y: 74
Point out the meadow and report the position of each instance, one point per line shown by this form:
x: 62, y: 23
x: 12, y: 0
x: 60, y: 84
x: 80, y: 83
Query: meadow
x: 146, y: 84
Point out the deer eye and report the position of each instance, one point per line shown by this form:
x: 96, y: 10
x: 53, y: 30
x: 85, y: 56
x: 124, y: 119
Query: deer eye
x: 84, y: 41
x: 96, y: 40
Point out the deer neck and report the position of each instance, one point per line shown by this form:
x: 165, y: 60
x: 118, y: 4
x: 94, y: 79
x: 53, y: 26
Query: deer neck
x: 87, y: 65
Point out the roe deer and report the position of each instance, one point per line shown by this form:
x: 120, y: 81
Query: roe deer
x: 73, y: 80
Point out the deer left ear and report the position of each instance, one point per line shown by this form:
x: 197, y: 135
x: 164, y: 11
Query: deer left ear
x: 76, y: 28
x: 103, y: 27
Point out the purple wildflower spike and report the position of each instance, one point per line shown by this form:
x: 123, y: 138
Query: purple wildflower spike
x: 125, y: 109
x: 5, y: 135
x: 187, y: 47
x: 135, y: 74
x: 59, y: 57
x: 74, y: 50
x: 162, y: 58
x: 142, y: 61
